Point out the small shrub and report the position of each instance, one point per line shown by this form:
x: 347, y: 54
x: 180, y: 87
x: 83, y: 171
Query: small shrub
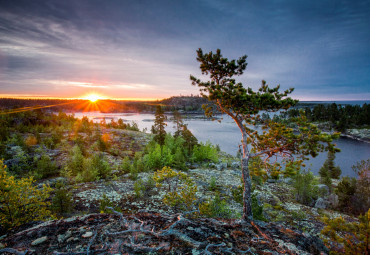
x: 257, y: 209
x: 62, y: 202
x: 216, y: 208
x: 181, y: 190
x: 305, y: 190
x: 238, y: 194
x: 205, y: 152
x: 45, y: 167
x: 329, y: 169
x: 133, y: 173
x: 21, y: 202
x: 104, y: 203
x: 125, y: 165
x: 142, y: 188
x: 212, y: 184
x: 345, y: 190
x: 352, y: 237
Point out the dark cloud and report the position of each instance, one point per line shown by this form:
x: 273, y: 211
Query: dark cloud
x: 310, y: 45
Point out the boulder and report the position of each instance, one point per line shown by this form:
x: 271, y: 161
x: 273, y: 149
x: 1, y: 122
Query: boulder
x: 235, y: 165
x: 320, y: 203
x: 333, y: 200
x: 323, y: 188
x: 221, y: 166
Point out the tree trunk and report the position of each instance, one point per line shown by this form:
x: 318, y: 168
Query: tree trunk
x: 247, y: 201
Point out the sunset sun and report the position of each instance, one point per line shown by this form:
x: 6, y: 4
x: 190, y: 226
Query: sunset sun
x: 93, y: 98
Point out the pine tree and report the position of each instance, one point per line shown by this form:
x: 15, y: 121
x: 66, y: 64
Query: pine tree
x: 159, y: 126
x: 243, y: 105
x: 329, y: 170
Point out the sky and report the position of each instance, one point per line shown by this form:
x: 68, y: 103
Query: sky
x: 147, y: 49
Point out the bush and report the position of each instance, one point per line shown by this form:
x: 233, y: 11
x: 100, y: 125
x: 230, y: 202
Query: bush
x: 142, y: 188
x: 20, y: 201
x: 329, y: 169
x: 45, y: 167
x: 305, y: 190
x: 345, y: 190
x: 104, y: 203
x: 125, y: 165
x: 352, y: 237
x: 75, y: 163
x: 257, y: 209
x: 216, y: 208
x: 205, y: 152
x: 181, y: 190
x: 62, y: 202
x: 362, y: 197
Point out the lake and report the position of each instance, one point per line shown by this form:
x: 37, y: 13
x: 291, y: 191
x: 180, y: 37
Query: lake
x: 227, y: 135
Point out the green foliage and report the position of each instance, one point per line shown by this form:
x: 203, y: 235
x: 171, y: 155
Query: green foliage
x: 143, y: 188
x: 216, y: 208
x: 20, y: 201
x: 257, y: 168
x: 180, y: 189
x: 345, y: 190
x: 243, y: 105
x: 133, y: 173
x: 212, y: 184
x: 99, y: 165
x: 104, y: 203
x: 62, y: 202
x: 362, y: 198
x: 159, y: 126
x: 352, y: 237
x: 45, y: 167
x: 22, y: 163
x: 171, y: 154
x: 257, y: 209
x: 94, y: 168
x: 205, y: 153
x: 75, y: 162
x: 125, y: 165
x: 305, y: 190
x: 238, y: 194
x: 329, y: 169
x: 341, y: 117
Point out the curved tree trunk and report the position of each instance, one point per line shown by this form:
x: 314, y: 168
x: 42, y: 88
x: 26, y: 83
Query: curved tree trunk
x: 247, y: 192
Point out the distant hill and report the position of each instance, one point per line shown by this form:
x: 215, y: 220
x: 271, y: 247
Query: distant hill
x: 180, y: 103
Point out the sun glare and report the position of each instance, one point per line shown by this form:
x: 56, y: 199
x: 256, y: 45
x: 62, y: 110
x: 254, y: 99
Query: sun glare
x: 92, y: 98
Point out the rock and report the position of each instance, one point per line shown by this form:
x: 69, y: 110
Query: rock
x: 52, y: 182
x: 87, y: 234
x: 235, y: 165
x: 39, y: 240
x: 61, y: 238
x: 266, y: 197
x: 323, y: 188
x: 221, y: 166
x: 320, y: 203
x: 333, y: 200
x: 287, y: 180
x: 212, y: 165
x: 272, y: 180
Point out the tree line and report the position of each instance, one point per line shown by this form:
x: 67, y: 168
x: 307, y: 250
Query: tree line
x: 340, y: 117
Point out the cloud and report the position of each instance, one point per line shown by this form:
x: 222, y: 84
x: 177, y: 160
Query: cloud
x: 129, y: 47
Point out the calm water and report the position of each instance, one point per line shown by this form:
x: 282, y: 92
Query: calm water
x: 227, y: 135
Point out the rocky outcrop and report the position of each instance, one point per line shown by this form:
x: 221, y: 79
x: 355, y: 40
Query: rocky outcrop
x: 161, y: 233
